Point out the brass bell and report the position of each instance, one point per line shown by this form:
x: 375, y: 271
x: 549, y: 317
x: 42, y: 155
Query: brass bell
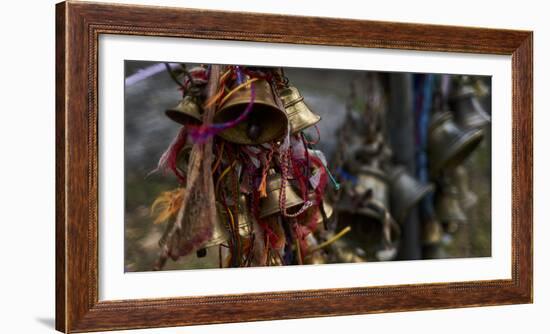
x: 447, y: 206
x: 188, y: 111
x: 300, y: 117
x: 448, y: 144
x: 467, y: 109
x: 266, y: 122
x: 329, y: 210
x: 374, y: 182
x: 220, y: 233
x: 467, y: 197
x: 182, y: 159
x: 270, y: 204
x: 406, y: 192
x: 432, y: 232
x: 372, y: 223
x: 244, y: 218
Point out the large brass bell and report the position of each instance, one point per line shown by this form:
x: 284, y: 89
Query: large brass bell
x: 266, y: 122
x: 367, y: 210
x: 406, y: 192
x: 270, y: 205
x: 188, y: 111
x: 467, y: 109
x: 300, y: 117
x: 448, y: 144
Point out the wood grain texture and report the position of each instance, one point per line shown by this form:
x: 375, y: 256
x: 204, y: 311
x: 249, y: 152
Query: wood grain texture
x: 78, y: 27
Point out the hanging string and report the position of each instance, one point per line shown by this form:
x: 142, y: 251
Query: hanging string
x: 285, y: 161
x: 223, y: 174
x: 263, y: 184
x: 219, y: 159
x: 168, y: 159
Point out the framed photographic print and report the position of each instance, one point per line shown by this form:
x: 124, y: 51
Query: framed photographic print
x: 212, y: 169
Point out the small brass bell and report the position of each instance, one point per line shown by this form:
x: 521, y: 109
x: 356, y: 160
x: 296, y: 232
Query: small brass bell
x: 245, y: 220
x: 467, y: 108
x: 406, y: 192
x: 448, y: 144
x: 432, y: 232
x: 266, y: 121
x: 467, y: 197
x: 447, y: 206
x: 188, y: 111
x: 183, y: 158
x: 300, y: 117
x: 270, y: 204
x: 329, y: 210
x: 220, y: 233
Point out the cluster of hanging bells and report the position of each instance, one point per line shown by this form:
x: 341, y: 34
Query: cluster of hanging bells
x: 273, y: 114
x: 378, y: 192
x: 275, y: 110
x: 376, y: 201
x: 455, y: 133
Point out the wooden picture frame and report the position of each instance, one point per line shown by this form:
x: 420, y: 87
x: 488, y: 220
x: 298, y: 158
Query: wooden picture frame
x: 78, y: 27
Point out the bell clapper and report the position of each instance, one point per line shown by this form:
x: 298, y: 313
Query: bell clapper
x: 254, y: 128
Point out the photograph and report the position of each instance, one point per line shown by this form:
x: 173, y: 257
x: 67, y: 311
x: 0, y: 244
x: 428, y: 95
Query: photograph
x: 218, y: 165
x: 234, y: 165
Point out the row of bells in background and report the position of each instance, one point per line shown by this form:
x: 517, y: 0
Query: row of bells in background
x: 272, y: 113
x: 378, y: 202
x: 453, y: 136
